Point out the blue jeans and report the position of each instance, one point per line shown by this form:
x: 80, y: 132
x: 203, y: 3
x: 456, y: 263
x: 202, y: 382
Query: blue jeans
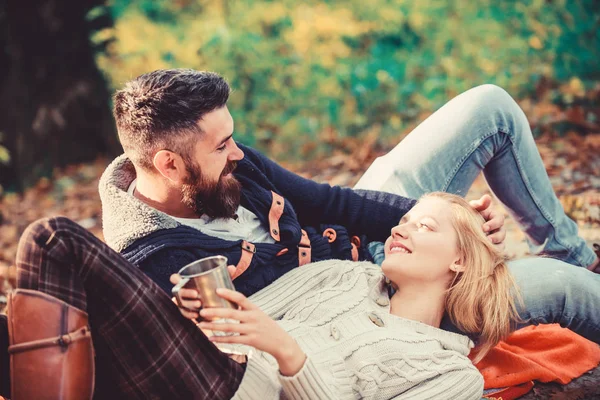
x: 484, y: 129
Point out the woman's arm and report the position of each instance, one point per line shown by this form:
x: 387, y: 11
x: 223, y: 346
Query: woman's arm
x: 298, y: 376
x: 256, y: 329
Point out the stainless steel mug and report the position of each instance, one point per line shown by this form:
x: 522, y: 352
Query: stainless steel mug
x: 206, y: 275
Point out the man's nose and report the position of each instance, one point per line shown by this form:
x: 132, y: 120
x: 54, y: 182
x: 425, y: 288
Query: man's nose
x: 237, y: 154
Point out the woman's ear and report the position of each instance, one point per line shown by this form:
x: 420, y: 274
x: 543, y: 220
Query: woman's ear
x: 457, y: 266
x: 170, y: 165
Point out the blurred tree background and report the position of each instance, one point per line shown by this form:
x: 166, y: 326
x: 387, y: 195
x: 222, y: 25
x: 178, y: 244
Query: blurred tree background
x: 307, y: 76
x: 53, y: 99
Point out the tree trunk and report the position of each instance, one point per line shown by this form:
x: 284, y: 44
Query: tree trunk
x: 54, y: 102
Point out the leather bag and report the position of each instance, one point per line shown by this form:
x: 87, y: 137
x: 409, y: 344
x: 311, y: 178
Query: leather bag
x: 50, y: 347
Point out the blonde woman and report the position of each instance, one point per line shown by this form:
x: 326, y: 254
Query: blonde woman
x: 328, y: 330
x: 334, y: 332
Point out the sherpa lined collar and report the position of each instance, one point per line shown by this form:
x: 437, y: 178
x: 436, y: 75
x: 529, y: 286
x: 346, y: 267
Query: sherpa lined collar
x: 126, y: 219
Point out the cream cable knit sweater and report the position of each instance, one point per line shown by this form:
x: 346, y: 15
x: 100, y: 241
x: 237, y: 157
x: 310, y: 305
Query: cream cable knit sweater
x: 339, y: 313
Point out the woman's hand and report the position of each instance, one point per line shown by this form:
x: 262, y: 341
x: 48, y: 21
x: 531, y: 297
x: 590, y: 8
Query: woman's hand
x: 190, y: 299
x: 494, y: 220
x: 255, y: 329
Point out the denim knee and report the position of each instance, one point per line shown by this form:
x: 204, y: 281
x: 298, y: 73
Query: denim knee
x: 554, y: 291
x: 491, y: 93
x: 493, y: 110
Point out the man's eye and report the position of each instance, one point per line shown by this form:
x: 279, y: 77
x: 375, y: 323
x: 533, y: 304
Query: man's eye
x: 222, y: 147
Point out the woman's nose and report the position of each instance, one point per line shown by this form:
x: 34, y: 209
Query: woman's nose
x: 400, y: 231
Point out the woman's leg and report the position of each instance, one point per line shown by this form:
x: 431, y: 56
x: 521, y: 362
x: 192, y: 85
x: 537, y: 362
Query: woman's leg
x: 144, y: 347
x: 483, y: 129
x: 556, y: 292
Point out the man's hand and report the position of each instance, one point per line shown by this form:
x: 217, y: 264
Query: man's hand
x: 190, y: 298
x: 494, y: 220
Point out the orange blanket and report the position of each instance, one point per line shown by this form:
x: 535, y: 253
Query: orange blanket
x: 544, y: 353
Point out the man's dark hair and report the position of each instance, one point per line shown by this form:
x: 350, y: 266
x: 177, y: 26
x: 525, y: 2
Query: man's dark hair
x: 161, y: 110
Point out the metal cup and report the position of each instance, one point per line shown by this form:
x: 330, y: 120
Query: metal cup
x: 206, y: 275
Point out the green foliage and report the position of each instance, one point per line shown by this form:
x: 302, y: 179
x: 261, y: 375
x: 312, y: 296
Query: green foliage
x: 316, y: 72
x: 4, y: 154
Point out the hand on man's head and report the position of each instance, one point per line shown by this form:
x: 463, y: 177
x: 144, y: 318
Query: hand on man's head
x: 494, y: 220
x: 190, y: 298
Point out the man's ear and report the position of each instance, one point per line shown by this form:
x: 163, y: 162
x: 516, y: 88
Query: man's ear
x: 170, y: 165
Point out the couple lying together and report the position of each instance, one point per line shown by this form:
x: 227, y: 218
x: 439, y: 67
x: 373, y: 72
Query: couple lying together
x: 318, y: 317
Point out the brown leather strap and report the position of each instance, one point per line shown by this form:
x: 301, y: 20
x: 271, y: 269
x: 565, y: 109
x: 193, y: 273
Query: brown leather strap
x: 248, y: 250
x: 354, y: 252
x: 304, y: 240
x: 274, y: 214
x: 304, y: 250
x: 355, y: 242
x: 63, y: 340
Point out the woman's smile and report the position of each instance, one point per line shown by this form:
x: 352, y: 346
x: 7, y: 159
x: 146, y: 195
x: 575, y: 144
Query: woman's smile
x: 397, y: 247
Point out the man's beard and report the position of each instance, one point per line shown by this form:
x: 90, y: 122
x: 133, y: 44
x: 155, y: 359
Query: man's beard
x: 217, y: 200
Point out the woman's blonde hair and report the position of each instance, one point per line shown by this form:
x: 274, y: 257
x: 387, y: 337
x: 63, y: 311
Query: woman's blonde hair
x: 482, y: 298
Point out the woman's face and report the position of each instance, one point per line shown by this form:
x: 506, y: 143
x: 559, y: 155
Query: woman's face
x: 423, y: 246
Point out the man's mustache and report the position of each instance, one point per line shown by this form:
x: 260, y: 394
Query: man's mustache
x: 230, y: 167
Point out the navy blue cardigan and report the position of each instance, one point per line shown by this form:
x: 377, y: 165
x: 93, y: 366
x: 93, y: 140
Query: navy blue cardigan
x: 308, y: 205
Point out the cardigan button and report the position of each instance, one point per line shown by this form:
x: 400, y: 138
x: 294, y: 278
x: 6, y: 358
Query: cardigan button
x: 278, y: 202
x: 376, y: 320
x: 335, y: 333
x: 382, y: 301
x: 275, y: 232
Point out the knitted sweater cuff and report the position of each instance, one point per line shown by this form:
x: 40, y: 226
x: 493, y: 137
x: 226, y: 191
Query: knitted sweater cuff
x: 306, y: 384
x: 259, y: 381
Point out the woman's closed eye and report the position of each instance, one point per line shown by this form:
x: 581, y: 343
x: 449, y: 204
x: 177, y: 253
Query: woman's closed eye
x: 423, y: 226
